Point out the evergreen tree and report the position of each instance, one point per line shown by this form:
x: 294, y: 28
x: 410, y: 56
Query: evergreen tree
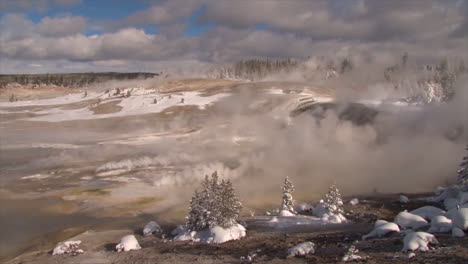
x: 463, y: 171
x: 333, y: 201
x: 216, y: 205
x: 287, y: 202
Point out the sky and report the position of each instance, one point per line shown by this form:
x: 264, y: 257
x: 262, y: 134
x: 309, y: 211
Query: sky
x: 46, y: 36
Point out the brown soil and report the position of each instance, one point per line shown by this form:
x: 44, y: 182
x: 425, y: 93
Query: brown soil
x: 269, y: 246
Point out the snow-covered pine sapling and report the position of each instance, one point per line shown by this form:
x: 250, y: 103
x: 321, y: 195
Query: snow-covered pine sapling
x: 463, y: 171
x: 216, y: 205
x: 230, y: 205
x: 333, y: 201
x: 287, y: 202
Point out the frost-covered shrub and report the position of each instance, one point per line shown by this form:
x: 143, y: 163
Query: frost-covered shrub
x: 333, y: 201
x: 216, y: 205
x: 287, y: 203
x: 463, y: 171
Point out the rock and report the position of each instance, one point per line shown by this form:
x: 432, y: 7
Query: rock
x: 152, y: 228
x: 128, y: 243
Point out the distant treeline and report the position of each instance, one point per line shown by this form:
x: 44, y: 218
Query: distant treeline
x: 72, y: 79
x: 255, y: 69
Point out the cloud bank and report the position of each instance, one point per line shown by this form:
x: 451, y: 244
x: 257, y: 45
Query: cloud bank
x: 370, y: 31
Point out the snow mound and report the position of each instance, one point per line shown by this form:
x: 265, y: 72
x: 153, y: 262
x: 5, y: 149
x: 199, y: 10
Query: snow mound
x: 152, y: 228
x: 286, y: 213
x: 457, y: 232
x: 320, y: 209
x: 302, y: 249
x: 334, y: 218
x: 451, y: 214
x: 408, y: 220
x: 128, y: 243
x: 404, y: 199
x: 418, y: 241
x: 428, y: 212
x: 354, y: 201
x: 304, y: 207
x: 381, y: 228
x: 461, y: 219
x: 214, y: 234
x: 440, y: 224
x: 68, y: 247
x: 450, y: 203
x: 462, y: 197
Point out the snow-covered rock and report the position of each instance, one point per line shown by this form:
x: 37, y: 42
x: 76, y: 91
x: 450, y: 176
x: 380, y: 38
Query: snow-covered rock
x: 440, y: 224
x: 461, y: 219
x: 418, y: 241
x: 381, y: 228
x: 404, y: 199
x: 354, y: 201
x: 408, y: 220
x: 152, y: 228
x: 428, y: 212
x: 127, y: 243
x: 302, y: 249
x: 457, y: 232
x: 67, y: 247
x: 214, y: 234
x: 450, y: 203
x: 286, y: 213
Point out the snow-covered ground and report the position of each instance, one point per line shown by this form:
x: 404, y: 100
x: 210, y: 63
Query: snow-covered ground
x: 140, y: 101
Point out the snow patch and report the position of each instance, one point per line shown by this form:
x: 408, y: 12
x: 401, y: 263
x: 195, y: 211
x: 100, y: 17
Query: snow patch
x: 354, y: 201
x: 428, y: 212
x: 35, y: 176
x: 404, y: 199
x: 151, y: 228
x: 302, y: 249
x: 418, y: 241
x: 461, y: 219
x: 214, y: 234
x: 440, y: 224
x: 381, y: 228
x: 128, y: 243
x: 457, y: 232
x: 68, y: 247
x: 408, y: 220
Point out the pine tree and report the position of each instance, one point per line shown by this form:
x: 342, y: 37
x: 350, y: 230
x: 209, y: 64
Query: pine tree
x: 333, y: 201
x: 463, y: 171
x: 287, y: 202
x: 216, y: 205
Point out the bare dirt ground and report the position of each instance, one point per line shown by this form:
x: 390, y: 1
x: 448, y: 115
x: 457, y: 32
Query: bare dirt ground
x: 268, y: 246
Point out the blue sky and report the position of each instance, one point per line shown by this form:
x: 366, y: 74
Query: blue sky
x: 95, y: 35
